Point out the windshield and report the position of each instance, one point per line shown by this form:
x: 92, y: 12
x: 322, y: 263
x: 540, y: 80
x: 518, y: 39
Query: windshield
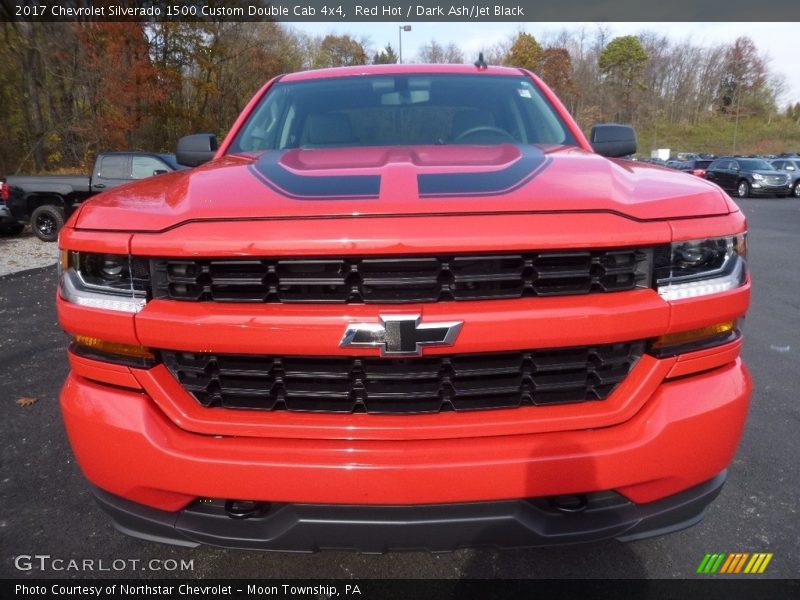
x: 401, y: 110
x: 752, y: 164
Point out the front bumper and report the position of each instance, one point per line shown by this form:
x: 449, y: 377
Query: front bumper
x: 437, y: 527
x: 672, y: 425
x: 127, y: 446
x: 6, y: 218
x: 770, y: 190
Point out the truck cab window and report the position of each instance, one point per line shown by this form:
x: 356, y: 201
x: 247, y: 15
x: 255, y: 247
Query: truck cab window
x: 113, y: 167
x: 146, y: 166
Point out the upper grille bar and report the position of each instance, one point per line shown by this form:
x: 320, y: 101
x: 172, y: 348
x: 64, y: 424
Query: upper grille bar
x: 402, y: 279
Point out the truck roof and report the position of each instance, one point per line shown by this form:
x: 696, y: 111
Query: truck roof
x: 398, y: 70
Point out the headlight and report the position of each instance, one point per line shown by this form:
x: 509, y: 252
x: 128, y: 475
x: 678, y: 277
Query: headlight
x: 701, y: 267
x: 109, y: 281
x: 758, y: 177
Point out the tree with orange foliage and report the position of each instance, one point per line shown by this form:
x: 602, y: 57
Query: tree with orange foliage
x: 121, y: 84
x: 555, y: 67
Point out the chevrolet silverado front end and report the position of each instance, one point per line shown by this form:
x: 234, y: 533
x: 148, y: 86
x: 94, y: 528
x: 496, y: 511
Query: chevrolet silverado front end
x: 405, y: 307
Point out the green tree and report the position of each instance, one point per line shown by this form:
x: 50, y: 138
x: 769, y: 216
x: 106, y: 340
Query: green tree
x: 386, y: 56
x: 525, y: 52
x: 622, y: 64
x: 793, y: 112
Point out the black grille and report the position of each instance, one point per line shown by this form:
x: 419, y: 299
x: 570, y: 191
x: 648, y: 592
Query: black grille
x: 408, y: 385
x: 402, y: 279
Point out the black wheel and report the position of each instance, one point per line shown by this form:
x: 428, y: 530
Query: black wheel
x: 743, y: 189
x: 14, y: 229
x: 796, y: 191
x: 46, y: 222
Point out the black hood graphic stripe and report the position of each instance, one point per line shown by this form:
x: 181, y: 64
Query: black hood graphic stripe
x: 491, y: 183
x: 268, y: 170
x: 313, y: 187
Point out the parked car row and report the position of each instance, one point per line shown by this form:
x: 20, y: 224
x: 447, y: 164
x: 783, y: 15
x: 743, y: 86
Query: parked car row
x: 747, y: 175
x: 46, y: 201
x: 791, y: 166
x: 696, y: 166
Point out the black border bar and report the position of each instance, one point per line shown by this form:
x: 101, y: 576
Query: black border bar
x: 405, y: 589
x: 344, y: 11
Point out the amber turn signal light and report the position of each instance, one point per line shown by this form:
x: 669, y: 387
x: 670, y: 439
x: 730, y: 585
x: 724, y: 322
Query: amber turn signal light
x: 115, y: 352
x: 695, y: 339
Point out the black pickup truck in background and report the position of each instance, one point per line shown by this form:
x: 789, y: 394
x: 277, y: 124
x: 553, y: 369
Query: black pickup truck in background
x: 48, y: 200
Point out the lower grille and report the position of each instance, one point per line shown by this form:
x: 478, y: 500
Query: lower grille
x: 404, y: 385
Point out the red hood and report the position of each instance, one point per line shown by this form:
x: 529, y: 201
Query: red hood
x: 402, y: 181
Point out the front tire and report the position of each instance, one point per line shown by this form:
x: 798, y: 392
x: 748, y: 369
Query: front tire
x: 796, y: 191
x: 743, y: 189
x: 46, y: 221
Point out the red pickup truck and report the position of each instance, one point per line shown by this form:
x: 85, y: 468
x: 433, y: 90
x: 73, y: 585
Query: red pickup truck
x: 406, y: 307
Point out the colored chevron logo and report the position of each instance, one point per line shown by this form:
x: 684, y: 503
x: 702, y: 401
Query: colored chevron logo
x: 744, y: 563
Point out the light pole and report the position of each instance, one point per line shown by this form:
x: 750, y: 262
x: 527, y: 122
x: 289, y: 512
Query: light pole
x: 400, y: 31
x: 738, y: 108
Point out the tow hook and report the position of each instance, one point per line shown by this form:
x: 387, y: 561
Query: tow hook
x: 570, y: 503
x: 244, y: 509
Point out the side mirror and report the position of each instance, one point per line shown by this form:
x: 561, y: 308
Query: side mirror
x: 613, y: 140
x: 196, y: 149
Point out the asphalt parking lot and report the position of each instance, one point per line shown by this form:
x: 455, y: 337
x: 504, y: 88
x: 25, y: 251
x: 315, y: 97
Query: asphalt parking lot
x: 46, y: 508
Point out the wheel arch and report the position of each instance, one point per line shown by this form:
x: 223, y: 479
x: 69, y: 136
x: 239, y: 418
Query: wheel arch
x: 35, y: 200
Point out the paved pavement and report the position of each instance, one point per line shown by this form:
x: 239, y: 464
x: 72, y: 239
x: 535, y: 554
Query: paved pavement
x: 45, y: 506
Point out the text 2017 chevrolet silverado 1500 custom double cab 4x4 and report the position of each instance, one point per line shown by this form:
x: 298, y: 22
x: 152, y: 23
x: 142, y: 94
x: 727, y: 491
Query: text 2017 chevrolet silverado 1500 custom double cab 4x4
x: 406, y: 307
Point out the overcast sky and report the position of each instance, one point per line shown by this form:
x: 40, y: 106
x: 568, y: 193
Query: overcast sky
x: 778, y: 41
